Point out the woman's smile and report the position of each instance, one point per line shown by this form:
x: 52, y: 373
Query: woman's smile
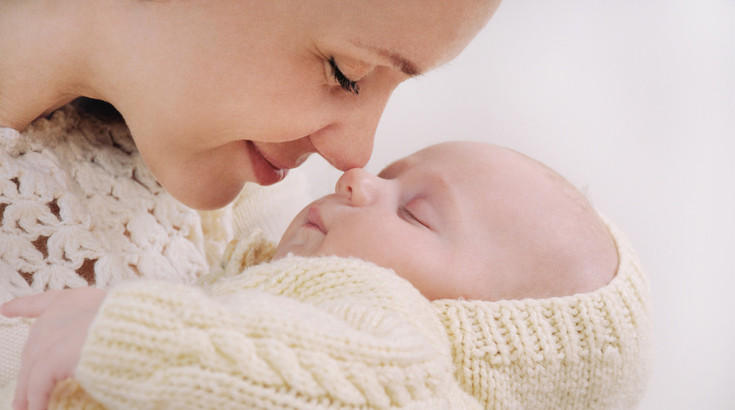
x: 266, y: 172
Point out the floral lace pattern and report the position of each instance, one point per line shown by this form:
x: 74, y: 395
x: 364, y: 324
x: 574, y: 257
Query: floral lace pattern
x: 79, y: 208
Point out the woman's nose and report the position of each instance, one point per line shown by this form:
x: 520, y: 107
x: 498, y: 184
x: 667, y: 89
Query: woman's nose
x: 348, y: 141
x: 358, y: 186
x: 342, y: 148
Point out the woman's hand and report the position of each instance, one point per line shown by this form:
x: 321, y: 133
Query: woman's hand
x: 53, y: 348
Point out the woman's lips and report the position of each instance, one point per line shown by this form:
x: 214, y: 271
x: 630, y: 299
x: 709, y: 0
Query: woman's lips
x: 266, y: 173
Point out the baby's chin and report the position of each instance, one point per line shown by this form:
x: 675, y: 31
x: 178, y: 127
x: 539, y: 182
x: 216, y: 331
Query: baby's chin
x: 297, y: 246
x: 301, y: 239
x: 281, y: 252
x: 284, y: 252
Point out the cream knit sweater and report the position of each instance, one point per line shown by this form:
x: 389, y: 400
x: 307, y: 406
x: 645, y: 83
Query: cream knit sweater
x: 296, y: 333
x: 78, y: 207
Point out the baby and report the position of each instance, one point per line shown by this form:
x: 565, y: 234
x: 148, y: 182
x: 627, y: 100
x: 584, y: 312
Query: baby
x: 463, y: 276
x: 463, y: 220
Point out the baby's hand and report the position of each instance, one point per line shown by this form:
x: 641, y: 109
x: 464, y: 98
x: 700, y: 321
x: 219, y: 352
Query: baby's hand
x: 53, y: 348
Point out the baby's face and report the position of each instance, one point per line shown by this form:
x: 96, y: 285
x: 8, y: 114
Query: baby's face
x: 456, y: 220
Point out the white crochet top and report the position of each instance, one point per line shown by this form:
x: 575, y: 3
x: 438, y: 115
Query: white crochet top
x: 78, y: 207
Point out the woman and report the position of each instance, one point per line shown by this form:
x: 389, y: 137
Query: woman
x: 214, y: 94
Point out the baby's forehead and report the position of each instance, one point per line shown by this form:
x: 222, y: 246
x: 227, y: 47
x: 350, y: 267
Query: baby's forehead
x: 471, y: 174
x: 455, y: 154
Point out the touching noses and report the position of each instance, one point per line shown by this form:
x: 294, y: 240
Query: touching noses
x: 360, y: 187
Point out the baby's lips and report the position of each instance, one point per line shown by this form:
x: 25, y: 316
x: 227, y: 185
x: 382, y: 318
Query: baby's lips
x: 314, y: 218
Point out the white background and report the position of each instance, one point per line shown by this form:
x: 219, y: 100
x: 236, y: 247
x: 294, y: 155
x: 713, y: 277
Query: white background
x: 634, y: 102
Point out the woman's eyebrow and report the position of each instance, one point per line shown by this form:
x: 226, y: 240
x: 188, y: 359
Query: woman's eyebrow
x: 396, y: 60
x: 401, y: 63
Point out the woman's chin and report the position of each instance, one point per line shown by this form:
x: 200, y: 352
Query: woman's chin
x: 208, y: 197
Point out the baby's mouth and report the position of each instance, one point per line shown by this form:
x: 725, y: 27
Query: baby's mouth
x: 313, y: 218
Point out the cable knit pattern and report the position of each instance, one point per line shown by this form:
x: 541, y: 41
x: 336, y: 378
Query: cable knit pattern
x: 77, y: 208
x: 295, y: 333
x: 585, y: 351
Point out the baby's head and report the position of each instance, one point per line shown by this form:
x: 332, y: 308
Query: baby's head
x: 544, y: 304
x: 463, y: 219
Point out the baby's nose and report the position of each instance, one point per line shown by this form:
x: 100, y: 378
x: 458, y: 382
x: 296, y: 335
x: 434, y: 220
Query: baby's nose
x: 358, y: 186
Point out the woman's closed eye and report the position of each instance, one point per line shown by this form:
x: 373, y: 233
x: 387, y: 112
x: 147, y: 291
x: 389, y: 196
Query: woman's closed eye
x: 344, y: 82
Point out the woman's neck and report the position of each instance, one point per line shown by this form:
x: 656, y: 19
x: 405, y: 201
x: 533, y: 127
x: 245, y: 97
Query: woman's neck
x: 41, y: 58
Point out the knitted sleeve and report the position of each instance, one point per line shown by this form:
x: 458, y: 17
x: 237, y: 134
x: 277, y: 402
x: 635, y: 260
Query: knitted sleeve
x: 262, y: 341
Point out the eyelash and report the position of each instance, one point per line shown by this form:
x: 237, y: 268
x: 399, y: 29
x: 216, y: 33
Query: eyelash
x: 408, y: 214
x: 344, y: 82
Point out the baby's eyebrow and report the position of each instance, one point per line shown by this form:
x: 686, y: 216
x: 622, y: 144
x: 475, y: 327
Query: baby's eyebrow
x: 447, y: 195
x: 400, y: 167
x: 392, y: 169
x: 442, y: 197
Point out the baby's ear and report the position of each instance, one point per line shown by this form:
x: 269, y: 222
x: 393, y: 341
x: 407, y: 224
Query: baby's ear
x: 239, y: 255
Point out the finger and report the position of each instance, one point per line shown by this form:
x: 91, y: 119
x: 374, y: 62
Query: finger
x: 27, y: 363
x: 29, y: 306
x: 20, y: 403
x: 39, y: 387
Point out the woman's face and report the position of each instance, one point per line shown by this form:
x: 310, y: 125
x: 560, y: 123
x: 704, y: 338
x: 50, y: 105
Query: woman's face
x: 220, y: 93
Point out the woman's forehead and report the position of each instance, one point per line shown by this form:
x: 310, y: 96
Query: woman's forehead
x: 425, y: 33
